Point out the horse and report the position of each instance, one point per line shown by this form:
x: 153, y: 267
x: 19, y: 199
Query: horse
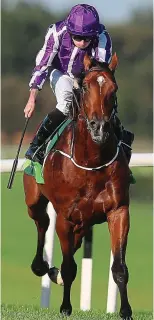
x: 86, y: 178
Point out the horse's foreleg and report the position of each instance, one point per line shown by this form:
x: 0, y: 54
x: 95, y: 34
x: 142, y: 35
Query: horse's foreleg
x: 68, y: 267
x: 118, y: 222
x: 36, y: 204
x: 38, y: 213
x: 78, y: 236
x: 54, y: 273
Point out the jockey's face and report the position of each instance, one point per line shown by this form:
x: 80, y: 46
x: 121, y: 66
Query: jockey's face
x: 81, y: 42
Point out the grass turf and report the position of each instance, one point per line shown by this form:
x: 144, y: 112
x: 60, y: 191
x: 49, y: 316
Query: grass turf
x: 12, y: 312
x: 20, y: 286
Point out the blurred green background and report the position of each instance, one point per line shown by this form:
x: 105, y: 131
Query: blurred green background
x: 23, y: 30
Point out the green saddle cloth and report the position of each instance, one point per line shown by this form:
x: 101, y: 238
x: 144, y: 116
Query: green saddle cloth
x: 35, y: 169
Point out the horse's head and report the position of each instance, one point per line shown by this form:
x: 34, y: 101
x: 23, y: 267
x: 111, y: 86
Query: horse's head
x: 99, y: 97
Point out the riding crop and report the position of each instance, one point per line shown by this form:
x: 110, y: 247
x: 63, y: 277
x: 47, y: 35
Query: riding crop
x: 15, y: 162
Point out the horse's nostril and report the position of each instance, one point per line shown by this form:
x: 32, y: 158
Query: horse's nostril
x: 93, y: 124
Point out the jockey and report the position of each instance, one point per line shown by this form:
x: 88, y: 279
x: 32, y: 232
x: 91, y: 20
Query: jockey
x: 61, y: 59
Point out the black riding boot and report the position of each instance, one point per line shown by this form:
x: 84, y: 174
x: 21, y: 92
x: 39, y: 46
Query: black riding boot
x: 125, y: 136
x: 47, y: 127
x: 128, y: 138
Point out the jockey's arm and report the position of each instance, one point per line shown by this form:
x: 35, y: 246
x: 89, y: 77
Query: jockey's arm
x: 30, y: 106
x: 43, y: 62
x: 103, y: 52
x: 44, y: 58
x: 33, y: 94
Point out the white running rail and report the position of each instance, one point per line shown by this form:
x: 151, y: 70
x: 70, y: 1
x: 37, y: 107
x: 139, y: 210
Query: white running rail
x: 137, y: 160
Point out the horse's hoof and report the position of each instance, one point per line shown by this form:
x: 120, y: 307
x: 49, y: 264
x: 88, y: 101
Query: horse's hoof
x: 55, y: 276
x: 126, y: 313
x: 126, y: 317
x: 66, y: 312
x: 39, y: 269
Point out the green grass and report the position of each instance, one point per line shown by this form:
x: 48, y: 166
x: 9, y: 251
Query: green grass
x: 21, y: 287
x: 11, y: 312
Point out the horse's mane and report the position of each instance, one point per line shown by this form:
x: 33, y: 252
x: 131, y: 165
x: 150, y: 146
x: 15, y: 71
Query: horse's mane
x: 103, y: 65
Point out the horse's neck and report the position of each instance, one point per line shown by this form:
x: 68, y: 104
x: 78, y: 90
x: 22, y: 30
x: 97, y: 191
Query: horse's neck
x: 87, y: 152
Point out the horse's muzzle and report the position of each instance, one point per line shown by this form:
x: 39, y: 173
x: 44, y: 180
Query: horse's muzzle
x: 98, y: 130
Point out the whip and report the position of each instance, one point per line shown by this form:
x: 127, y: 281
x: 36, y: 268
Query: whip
x: 15, y: 162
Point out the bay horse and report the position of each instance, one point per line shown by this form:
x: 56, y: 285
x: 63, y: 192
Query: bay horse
x: 87, y: 180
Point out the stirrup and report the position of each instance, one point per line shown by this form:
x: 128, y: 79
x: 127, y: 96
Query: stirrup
x: 35, y: 158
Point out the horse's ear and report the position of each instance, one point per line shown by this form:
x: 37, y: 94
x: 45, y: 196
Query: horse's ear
x: 87, y: 62
x: 114, y: 62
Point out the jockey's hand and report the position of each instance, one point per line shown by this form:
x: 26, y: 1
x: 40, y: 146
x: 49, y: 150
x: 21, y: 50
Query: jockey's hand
x: 30, y: 106
x: 29, y: 109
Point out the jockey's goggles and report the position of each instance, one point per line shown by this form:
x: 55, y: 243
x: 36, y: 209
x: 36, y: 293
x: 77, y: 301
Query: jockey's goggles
x: 81, y: 38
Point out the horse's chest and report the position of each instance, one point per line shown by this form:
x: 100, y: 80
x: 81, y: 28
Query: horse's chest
x: 83, y: 210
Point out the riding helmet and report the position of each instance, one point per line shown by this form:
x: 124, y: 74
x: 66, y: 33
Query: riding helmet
x: 83, y: 20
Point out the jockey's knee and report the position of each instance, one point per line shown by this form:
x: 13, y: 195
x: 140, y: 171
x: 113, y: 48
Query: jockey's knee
x: 60, y: 83
x: 64, y: 107
x: 62, y: 86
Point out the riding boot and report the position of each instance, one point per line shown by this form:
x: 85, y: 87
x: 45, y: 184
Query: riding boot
x: 47, y: 127
x: 127, y: 139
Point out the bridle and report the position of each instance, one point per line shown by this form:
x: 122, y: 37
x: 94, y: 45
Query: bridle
x: 71, y: 155
x: 84, y: 116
